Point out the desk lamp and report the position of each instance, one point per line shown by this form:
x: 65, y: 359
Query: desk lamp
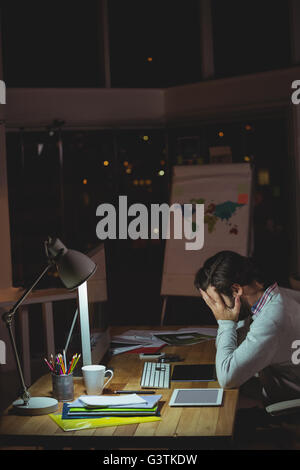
x: 74, y: 269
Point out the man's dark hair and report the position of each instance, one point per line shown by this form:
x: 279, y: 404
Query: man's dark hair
x: 227, y: 268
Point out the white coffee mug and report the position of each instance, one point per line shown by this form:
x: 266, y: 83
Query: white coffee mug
x: 94, y: 376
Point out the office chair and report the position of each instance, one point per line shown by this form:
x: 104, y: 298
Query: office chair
x: 284, y: 408
x: 267, y: 417
x: 276, y: 427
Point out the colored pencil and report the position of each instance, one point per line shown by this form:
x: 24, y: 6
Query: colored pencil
x: 62, y: 363
x: 75, y: 363
x: 70, y: 367
x: 65, y: 360
x: 49, y: 365
x: 59, y: 365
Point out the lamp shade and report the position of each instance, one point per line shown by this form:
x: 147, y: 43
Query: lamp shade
x: 73, y: 267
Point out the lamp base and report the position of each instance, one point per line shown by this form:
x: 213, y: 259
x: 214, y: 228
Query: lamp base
x: 36, y: 406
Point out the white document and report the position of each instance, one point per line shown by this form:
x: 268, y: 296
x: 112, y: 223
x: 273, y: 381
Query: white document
x: 140, y: 337
x: 108, y: 400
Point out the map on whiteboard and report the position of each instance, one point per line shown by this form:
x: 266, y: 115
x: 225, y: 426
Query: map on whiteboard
x: 226, y: 192
x: 219, y: 212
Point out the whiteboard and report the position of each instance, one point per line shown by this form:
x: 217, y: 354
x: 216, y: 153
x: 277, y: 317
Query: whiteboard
x: 97, y: 285
x: 226, y: 191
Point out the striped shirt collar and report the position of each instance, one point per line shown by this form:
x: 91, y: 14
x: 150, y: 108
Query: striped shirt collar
x: 264, y: 299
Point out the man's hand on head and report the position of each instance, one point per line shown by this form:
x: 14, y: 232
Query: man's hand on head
x: 220, y: 310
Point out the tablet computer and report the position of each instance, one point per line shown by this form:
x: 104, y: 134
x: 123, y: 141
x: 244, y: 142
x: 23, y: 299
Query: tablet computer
x: 196, y: 397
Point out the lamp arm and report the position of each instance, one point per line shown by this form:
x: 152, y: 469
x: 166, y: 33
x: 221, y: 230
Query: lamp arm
x: 7, y: 317
x: 25, y: 394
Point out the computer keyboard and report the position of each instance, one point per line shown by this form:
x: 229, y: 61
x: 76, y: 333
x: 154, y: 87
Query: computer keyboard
x: 156, y: 375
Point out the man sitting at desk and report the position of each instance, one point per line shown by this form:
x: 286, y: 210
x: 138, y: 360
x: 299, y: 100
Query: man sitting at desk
x: 235, y: 290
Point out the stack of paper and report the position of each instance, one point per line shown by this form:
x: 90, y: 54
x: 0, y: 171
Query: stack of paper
x: 105, y: 406
x: 136, y: 341
x: 187, y: 336
x: 151, y: 341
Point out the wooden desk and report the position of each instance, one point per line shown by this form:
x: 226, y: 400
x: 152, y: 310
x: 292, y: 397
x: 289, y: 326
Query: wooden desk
x: 181, y: 428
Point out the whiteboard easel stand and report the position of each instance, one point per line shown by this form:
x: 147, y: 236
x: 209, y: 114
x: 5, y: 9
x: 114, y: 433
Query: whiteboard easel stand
x: 163, y: 310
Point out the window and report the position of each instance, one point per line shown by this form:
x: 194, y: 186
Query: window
x: 35, y: 203
x: 89, y: 179
x: 154, y: 44
x: 53, y: 44
x: 264, y: 143
x: 55, y: 190
x: 143, y: 165
x: 250, y: 37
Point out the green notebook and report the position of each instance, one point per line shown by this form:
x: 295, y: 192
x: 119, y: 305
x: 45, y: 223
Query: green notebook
x: 81, y: 412
x: 108, y: 411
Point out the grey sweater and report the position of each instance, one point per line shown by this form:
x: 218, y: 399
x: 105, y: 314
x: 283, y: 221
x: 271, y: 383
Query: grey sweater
x: 266, y: 349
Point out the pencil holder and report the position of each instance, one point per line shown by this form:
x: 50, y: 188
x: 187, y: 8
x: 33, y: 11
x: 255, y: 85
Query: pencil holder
x: 63, y: 387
